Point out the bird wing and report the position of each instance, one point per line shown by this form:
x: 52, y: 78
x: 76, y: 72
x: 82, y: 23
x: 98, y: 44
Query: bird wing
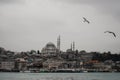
x: 107, y: 31
x: 111, y: 33
x: 87, y: 21
x: 114, y: 34
x: 84, y: 18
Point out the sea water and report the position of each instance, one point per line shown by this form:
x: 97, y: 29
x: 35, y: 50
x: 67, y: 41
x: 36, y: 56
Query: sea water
x: 59, y: 76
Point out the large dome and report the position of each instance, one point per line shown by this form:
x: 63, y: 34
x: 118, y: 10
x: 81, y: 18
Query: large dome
x: 50, y: 44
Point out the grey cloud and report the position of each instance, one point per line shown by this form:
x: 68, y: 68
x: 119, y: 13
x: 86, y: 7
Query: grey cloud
x: 33, y: 24
x: 91, y: 1
x: 11, y: 1
x: 111, y: 7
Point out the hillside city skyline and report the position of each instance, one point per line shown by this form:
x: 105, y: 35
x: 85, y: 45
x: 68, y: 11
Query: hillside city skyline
x: 31, y: 24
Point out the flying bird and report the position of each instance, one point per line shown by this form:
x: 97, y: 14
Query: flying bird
x: 85, y: 20
x: 111, y: 33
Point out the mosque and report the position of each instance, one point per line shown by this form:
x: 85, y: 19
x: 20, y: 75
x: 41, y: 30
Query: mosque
x: 50, y: 49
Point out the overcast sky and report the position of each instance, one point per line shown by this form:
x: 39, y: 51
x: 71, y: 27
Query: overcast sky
x: 31, y: 24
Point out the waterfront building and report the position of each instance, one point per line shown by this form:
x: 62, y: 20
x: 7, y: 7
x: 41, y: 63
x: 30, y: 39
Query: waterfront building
x: 68, y: 65
x: 7, y: 65
x: 86, y: 57
x: 53, y: 63
x: 21, y: 64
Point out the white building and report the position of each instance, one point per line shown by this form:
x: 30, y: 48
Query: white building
x: 7, y: 65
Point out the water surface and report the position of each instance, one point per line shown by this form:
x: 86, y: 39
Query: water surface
x: 59, y: 76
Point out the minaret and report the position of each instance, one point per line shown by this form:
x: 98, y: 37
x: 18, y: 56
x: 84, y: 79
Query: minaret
x: 73, y: 46
x: 58, y: 43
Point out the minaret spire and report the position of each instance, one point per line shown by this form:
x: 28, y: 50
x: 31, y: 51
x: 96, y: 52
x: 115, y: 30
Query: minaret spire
x: 58, y: 43
x: 73, y: 46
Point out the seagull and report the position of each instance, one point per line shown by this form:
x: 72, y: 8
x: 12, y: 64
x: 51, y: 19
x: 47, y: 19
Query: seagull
x: 111, y: 33
x: 85, y: 20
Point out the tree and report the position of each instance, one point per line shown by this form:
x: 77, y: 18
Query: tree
x: 83, y: 51
x: 32, y: 52
x: 38, y: 52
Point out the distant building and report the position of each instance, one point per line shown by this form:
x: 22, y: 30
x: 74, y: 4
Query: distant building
x: 52, y: 63
x: 2, y: 50
x: 21, y: 64
x: 7, y: 65
x: 86, y: 57
x: 49, y: 50
x: 99, y: 65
